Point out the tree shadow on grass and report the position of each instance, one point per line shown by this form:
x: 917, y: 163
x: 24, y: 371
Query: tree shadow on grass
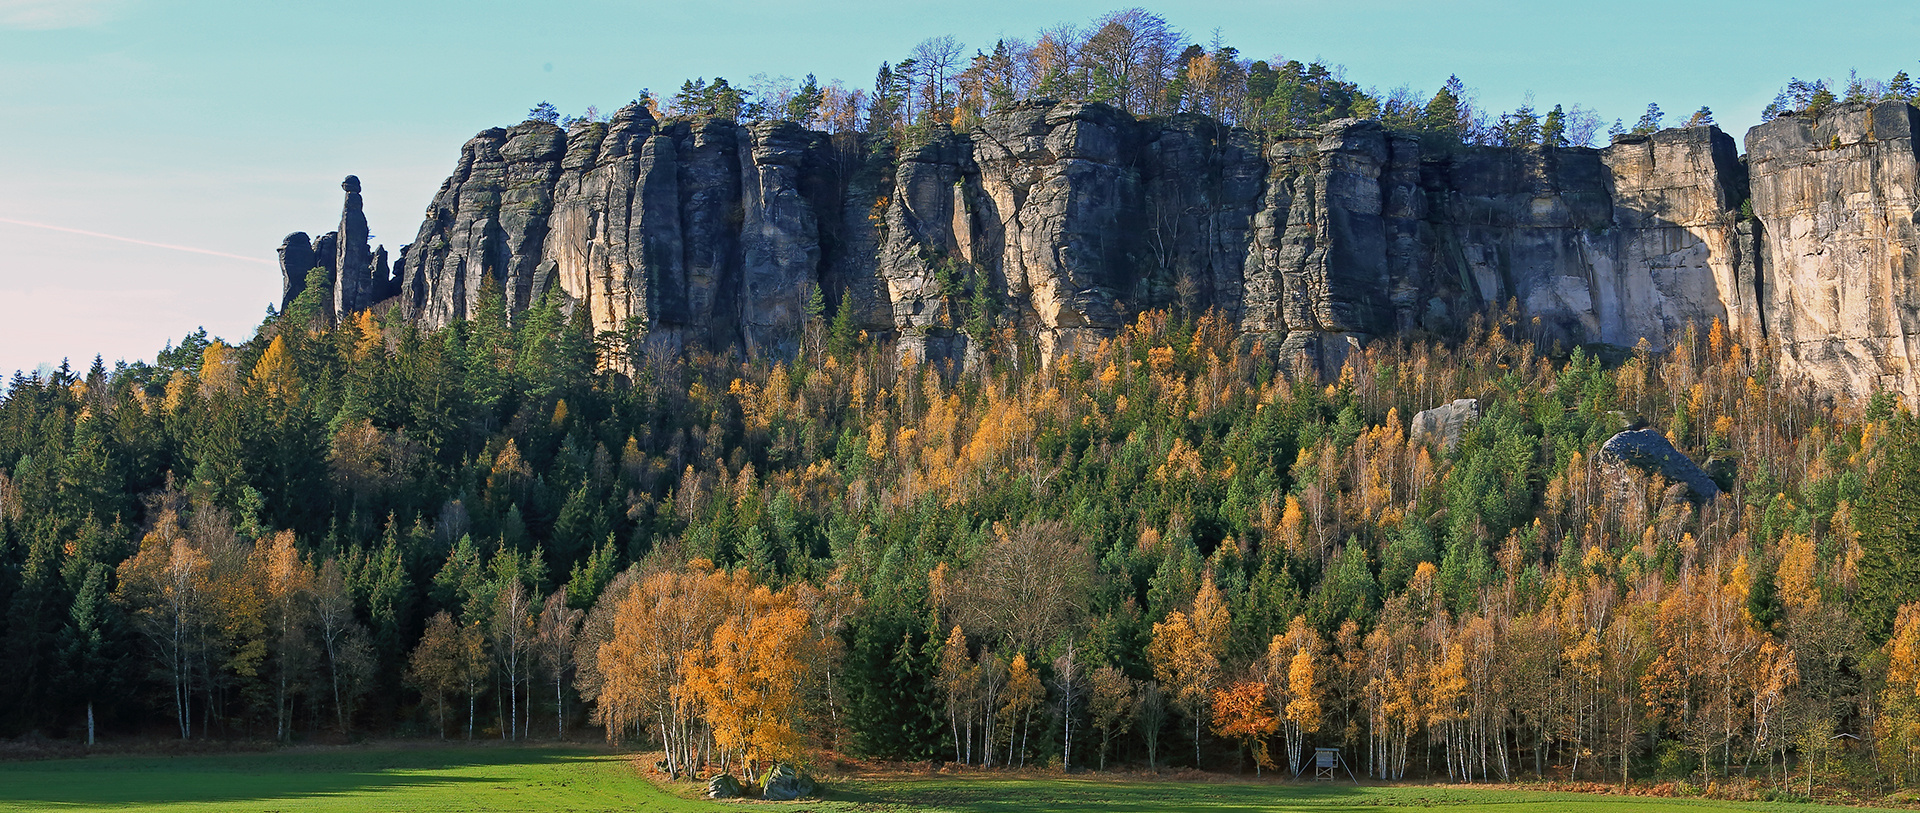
x: 278, y: 775
x: 1126, y: 796
x: 962, y: 794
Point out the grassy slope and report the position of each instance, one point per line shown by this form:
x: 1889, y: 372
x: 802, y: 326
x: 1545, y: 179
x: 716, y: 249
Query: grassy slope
x: 397, y: 779
x: 561, y: 779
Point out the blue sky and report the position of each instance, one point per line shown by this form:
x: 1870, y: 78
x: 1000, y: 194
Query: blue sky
x: 222, y: 126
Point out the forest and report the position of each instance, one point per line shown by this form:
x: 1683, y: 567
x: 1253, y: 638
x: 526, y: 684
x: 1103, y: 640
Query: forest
x: 1180, y: 550
x: 1138, y: 62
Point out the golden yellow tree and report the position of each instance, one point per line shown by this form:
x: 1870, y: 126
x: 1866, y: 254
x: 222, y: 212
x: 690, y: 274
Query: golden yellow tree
x: 655, y: 625
x: 1446, y: 697
x: 1898, y: 724
x: 748, y: 680
x: 1185, y: 653
x: 290, y: 593
x: 1023, y: 694
x: 958, y: 677
x: 164, y: 588
x: 1294, y: 683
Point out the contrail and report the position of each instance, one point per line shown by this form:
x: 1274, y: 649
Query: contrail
x: 148, y: 243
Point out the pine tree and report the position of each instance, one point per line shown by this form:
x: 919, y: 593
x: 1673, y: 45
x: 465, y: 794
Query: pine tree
x: 1902, y: 88
x: 1649, y: 121
x: 1446, y: 113
x: 841, y: 339
x: 1889, y: 525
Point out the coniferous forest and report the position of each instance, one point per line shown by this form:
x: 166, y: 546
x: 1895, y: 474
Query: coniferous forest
x: 1174, y: 552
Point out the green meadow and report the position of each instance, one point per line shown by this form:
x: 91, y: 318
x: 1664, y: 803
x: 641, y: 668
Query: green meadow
x: 581, y: 779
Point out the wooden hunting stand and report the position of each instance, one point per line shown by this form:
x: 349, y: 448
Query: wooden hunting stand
x: 1325, y: 760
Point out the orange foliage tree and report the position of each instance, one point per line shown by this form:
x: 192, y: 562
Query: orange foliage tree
x: 1240, y: 712
x: 748, y: 680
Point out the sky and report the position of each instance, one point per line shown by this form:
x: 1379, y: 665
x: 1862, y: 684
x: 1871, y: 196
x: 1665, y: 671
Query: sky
x: 154, y: 153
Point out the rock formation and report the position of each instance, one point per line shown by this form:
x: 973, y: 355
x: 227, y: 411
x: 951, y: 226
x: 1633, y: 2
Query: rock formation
x: 1649, y: 452
x: 783, y: 783
x: 725, y: 786
x: 353, y: 283
x: 1066, y: 220
x: 358, y: 276
x: 1836, y: 199
x: 296, y: 259
x: 1444, y: 425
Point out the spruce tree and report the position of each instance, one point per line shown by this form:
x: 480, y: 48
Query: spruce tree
x: 1445, y: 113
x: 1889, y: 524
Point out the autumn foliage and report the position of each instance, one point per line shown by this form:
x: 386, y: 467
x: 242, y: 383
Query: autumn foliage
x: 1175, y: 547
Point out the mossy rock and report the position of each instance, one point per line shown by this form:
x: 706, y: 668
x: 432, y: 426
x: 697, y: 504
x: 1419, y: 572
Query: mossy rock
x: 725, y: 786
x: 784, y: 783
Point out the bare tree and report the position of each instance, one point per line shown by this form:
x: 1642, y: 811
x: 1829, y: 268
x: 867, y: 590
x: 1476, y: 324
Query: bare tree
x: 1129, y: 57
x: 1066, y: 678
x: 1111, y: 697
x: 349, y: 655
x: 1150, y: 715
x: 934, y: 61
x: 553, y: 643
x: 1030, y: 584
x: 512, y: 636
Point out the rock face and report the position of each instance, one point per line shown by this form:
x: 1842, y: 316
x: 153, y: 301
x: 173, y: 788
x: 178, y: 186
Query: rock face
x: 1444, y: 425
x: 296, y: 259
x: 1649, y: 451
x: 1836, y: 198
x: 1063, y: 221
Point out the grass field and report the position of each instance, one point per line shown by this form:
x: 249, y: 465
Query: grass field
x: 562, y: 779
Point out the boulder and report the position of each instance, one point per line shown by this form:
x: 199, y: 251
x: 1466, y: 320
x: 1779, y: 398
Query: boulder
x: 725, y: 786
x: 783, y: 783
x: 1648, y: 451
x: 1444, y: 425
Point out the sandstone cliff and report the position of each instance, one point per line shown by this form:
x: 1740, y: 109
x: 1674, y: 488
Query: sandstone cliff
x: 1071, y: 218
x: 1836, y: 201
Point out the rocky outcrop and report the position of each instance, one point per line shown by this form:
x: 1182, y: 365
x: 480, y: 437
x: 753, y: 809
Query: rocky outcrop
x: 1063, y: 221
x: 354, y: 287
x: 1836, y: 199
x: 1633, y: 242
x: 357, y: 275
x: 1444, y: 425
x: 1649, y: 452
x: 1061, y: 188
x: 296, y: 260
x: 779, y: 236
